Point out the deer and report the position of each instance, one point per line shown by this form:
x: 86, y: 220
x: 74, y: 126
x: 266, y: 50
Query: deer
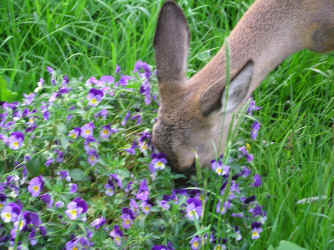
x: 194, y: 117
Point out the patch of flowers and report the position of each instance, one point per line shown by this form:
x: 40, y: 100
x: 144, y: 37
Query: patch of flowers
x: 79, y: 171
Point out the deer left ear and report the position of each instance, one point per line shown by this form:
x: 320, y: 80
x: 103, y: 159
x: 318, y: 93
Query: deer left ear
x: 171, y: 42
x: 213, y: 99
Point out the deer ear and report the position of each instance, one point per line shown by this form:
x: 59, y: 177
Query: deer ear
x: 213, y: 99
x: 171, y: 42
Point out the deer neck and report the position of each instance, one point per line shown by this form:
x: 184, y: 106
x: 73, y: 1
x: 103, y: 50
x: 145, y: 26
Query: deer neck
x: 266, y: 35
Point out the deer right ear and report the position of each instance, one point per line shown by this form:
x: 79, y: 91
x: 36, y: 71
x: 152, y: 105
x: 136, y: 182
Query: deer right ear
x: 171, y: 43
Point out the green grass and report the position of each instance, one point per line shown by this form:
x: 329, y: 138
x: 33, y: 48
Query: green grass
x: 84, y: 38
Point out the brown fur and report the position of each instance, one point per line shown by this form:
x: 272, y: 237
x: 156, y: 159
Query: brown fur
x: 188, y: 122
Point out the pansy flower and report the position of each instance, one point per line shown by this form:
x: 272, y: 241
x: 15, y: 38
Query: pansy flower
x: 64, y: 174
x: 92, y: 157
x: 123, y: 81
x: 256, y: 230
x: 252, y: 107
x: 222, y: 209
x: 47, y: 199
x: 59, y: 204
x: 255, y: 129
x: 193, y: 209
x: 107, y: 79
x: 28, y: 99
x: 143, y: 192
x: 164, y: 203
x: 127, y: 218
x: 105, y: 132
x: 15, y: 140
x: 146, y: 207
x: 157, y: 163
x: 94, y: 96
x: 99, y: 222
x: 142, y: 66
x: 76, y: 208
x: 113, y: 181
x: 126, y: 118
x: 137, y: 118
x: 11, y: 212
x: 245, y: 153
x: 74, y: 133
x: 257, y: 181
x: 134, y: 206
x: 87, y: 130
x: 162, y: 247
x: 219, y: 168
x: 35, y: 186
x: 102, y: 113
x: 195, y: 243
x: 116, y: 234
x: 73, y: 188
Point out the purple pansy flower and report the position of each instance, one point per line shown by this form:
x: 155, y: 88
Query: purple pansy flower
x: 105, y: 132
x: 146, y: 207
x: 35, y: 186
x: 134, y: 206
x: 126, y: 118
x: 47, y: 199
x: 76, y: 208
x: 143, y: 192
x: 245, y: 153
x: 113, y: 181
x: 157, y: 163
x: 257, y: 211
x: 92, y: 157
x: 59, y: 204
x: 162, y: 247
x: 102, y: 113
x: 116, y: 234
x: 252, y: 107
x: 15, y: 140
x: 142, y: 66
x: 94, y: 96
x: 256, y: 230
x: 222, y: 209
x: 145, y: 90
x: 194, y: 209
x: 257, y: 181
x: 132, y: 149
x: 195, y: 243
x: 127, y: 217
x: 255, y: 129
x: 219, y: 168
x: 107, y: 79
x: 99, y: 222
x: 28, y: 99
x: 74, y: 133
x: 73, y: 188
x: 63, y: 174
x: 123, y: 81
x: 11, y: 212
x: 87, y: 130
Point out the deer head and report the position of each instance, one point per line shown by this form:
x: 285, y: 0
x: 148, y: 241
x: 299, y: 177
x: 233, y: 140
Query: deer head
x: 191, y: 114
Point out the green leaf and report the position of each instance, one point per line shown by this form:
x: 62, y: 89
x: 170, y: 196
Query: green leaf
x: 78, y: 175
x: 6, y: 94
x: 287, y: 245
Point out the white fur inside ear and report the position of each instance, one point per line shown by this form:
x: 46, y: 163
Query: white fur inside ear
x: 238, y: 88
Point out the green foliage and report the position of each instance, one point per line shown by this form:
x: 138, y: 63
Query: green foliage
x: 287, y: 245
x: 84, y: 38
